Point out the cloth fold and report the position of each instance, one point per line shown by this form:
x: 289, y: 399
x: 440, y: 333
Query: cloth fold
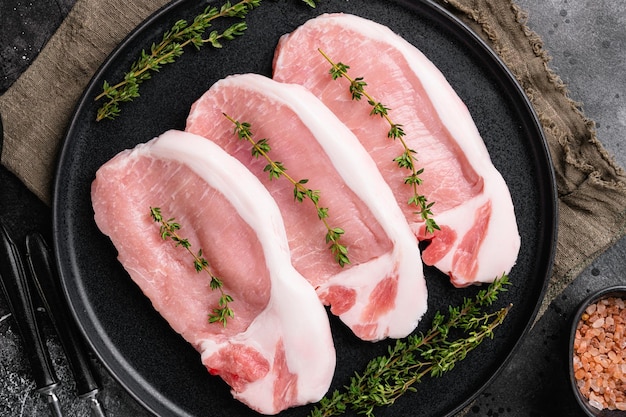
x: 37, y: 107
x: 591, y: 187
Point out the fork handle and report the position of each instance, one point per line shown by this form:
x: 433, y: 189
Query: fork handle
x: 48, y: 285
x: 17, y: 292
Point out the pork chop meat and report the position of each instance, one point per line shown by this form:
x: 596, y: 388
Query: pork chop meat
x: 479, y: 239
x: 381, y: 292
x: 265, y: 353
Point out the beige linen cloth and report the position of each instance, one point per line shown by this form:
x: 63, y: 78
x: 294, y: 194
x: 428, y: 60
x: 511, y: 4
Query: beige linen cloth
x: 592, y: 189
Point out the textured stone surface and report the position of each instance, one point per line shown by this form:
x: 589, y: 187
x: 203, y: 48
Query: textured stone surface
x: 26, y: 27
x: 587, y: 40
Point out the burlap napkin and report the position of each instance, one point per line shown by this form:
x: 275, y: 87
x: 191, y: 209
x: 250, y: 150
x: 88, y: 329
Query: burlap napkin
x: 37, y: 107
x: 592, y: 189
x: 591, y: 186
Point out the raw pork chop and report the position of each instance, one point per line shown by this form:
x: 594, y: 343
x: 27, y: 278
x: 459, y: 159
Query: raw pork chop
x: 277, y: 351
x: 382, y: 292
x: 479, y: 239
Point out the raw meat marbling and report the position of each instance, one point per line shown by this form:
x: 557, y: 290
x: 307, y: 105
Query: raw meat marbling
x: 382, y: 292
x: 277, y: 351
x: 479, y: 239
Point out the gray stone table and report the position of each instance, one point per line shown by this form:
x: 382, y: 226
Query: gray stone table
x: 587, y: 41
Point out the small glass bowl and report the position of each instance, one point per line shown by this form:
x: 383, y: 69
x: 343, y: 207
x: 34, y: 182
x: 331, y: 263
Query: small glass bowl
x: 618, y: 291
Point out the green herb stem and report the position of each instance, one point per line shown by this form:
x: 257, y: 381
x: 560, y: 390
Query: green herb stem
x: 276, y: 169
x: 407, y: 362
x: 168, y: 229
x: 407, y: 159
x: 171, y: 47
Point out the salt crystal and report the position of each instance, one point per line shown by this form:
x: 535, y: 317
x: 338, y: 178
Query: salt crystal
x: 594, y: 386
x: 598, y: 323
x: 599, y: 360
x: 596, y: 404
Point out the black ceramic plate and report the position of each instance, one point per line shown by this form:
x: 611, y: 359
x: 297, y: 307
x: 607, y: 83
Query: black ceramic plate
x: 156, y: 365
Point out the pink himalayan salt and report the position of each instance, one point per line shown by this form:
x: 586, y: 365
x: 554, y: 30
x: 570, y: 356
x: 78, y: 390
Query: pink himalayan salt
x: 599, y: 360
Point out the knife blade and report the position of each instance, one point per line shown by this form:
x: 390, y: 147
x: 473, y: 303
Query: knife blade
x: 46, y: 280
x: 17, y: 293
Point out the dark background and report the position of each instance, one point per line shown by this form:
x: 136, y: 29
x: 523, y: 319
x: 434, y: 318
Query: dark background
x: 587, y: 40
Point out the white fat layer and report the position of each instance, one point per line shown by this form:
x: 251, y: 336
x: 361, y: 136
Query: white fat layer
x: 309, y: 349
x: 499, y: 250
x: 360, y: 173
x: 449, y: 107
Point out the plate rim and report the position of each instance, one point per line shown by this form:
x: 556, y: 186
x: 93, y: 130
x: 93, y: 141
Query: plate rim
x: 429, y: 8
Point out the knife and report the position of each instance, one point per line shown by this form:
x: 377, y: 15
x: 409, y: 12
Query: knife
x: 47, y: 283
x: 16, y: 291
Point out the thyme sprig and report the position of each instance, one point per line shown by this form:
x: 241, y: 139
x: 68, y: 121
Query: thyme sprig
x: 276, y: 169
x: 408, y: 361
x: 172, y: 46
x: 407, y: 159
x: 168, y: 229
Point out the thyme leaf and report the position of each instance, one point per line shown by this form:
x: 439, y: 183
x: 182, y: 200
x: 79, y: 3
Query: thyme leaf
x: 410, y: 360
x: 276, y: 169
x: 168, y: 230
x: 407, y: 159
